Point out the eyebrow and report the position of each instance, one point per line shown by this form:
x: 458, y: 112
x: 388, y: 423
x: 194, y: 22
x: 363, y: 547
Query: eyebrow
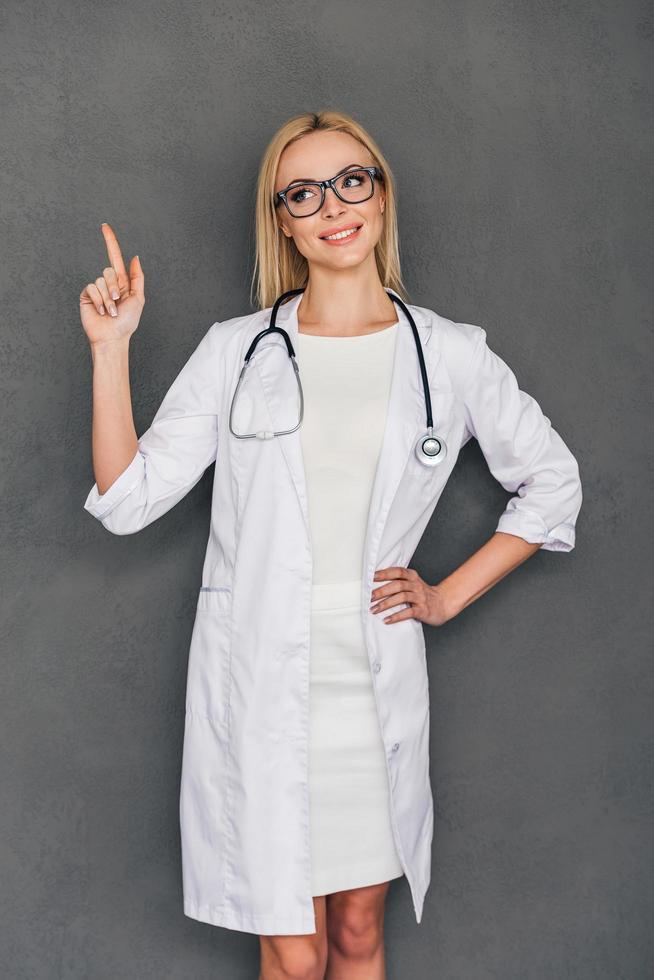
x: 313, y: 180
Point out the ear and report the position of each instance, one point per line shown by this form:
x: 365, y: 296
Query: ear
x: 282, y: 227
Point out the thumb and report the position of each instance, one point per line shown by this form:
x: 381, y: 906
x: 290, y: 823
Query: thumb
x: 136, y: 278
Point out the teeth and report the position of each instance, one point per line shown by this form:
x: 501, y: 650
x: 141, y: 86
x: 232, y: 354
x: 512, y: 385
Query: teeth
x: 341, y: 234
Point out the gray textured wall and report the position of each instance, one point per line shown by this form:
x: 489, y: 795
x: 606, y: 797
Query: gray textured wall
x: 520, y: 135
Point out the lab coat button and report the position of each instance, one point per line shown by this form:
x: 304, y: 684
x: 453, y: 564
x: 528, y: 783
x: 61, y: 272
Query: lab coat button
x: 395, y: 746
x: 376, y: 666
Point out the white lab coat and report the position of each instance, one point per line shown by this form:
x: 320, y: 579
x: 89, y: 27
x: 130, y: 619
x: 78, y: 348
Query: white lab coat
x: 244, y: 805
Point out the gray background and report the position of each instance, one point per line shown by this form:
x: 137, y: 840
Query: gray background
x: 520, y: 135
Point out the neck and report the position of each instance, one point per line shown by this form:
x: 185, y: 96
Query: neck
x: 346, y: 302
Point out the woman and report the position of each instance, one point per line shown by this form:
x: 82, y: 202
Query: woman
x: 305, y: 775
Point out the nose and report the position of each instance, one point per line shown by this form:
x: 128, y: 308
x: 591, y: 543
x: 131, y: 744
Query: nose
x: 332, y: 203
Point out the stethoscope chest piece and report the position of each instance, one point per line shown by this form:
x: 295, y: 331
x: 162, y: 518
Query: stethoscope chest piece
x: 431, y: 450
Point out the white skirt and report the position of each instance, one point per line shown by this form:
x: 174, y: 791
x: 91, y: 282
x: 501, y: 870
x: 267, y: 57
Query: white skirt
x: 350, y: 824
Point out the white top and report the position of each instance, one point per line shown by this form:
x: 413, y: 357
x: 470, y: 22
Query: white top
x: 346, y: 383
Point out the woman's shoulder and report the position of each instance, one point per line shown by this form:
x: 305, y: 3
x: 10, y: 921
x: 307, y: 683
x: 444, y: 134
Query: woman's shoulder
x: 223, y: 332
x: 456, y: 342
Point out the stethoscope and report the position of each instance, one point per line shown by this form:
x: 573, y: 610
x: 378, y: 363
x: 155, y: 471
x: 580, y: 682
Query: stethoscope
x: 429, y: 449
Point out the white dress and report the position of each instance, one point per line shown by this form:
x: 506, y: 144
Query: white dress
x: 346, y: 384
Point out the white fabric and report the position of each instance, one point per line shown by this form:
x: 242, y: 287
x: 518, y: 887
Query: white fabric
x: 244, y: 801
x: 346, y: 383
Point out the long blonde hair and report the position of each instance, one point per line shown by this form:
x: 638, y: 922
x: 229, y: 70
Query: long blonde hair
x: 278, y: 265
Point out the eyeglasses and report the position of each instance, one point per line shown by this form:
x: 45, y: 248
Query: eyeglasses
x: 304, y: 197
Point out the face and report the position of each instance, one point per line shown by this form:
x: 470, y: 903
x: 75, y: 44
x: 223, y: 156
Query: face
x: 318, y: 156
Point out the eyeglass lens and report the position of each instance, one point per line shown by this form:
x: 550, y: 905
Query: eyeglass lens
x: 355, y: 186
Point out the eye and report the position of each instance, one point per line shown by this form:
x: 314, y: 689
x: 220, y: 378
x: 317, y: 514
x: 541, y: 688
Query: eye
x: 296, y: 194
x: 358, y: 177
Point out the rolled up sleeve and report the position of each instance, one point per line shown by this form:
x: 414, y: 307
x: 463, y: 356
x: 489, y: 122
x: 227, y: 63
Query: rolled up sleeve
x: 172, y: 454
x: 523, y: 451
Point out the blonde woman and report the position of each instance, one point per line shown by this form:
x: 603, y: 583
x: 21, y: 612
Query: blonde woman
x: 334, y: 415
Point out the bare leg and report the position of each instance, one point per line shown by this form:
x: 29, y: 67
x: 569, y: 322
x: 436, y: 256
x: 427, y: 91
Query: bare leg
x: 355, y: 933
x: 296, y: 957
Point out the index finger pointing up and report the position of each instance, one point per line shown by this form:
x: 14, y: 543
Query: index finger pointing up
x: 115, y: 256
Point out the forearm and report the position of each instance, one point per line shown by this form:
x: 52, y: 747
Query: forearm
x: 484, y: 569
x: 114, y: 436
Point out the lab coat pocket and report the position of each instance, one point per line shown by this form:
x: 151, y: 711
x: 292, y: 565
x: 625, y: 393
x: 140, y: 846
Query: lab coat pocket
x: 209, y: 667
x: 215, y: 598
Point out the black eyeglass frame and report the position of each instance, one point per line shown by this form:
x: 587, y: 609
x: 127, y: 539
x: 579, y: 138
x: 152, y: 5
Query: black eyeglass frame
x: 374, y: 172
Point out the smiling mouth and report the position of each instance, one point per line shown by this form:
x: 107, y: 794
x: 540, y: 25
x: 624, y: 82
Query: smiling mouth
x: 341, y: 235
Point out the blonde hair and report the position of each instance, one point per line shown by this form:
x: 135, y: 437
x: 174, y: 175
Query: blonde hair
x: 279, y: 266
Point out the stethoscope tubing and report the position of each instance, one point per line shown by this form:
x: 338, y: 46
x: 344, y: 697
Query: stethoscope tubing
x: 430, y: 457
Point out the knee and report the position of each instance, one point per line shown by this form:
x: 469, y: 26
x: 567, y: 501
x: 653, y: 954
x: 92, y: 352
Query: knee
x: 356, y: 933
x: 287, y: 958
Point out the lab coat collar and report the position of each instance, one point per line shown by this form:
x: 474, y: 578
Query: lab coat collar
x: 406, y: 417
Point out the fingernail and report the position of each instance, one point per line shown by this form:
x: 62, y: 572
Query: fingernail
x: 113, y: 310
x: 115, y: 294
x: 101, y: 308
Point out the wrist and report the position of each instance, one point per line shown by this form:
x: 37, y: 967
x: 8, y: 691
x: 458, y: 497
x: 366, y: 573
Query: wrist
x: 114, y: 348
x: 449, y: 598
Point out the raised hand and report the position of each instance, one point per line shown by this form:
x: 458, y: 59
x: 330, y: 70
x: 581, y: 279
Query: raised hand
x: 113, y: 292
